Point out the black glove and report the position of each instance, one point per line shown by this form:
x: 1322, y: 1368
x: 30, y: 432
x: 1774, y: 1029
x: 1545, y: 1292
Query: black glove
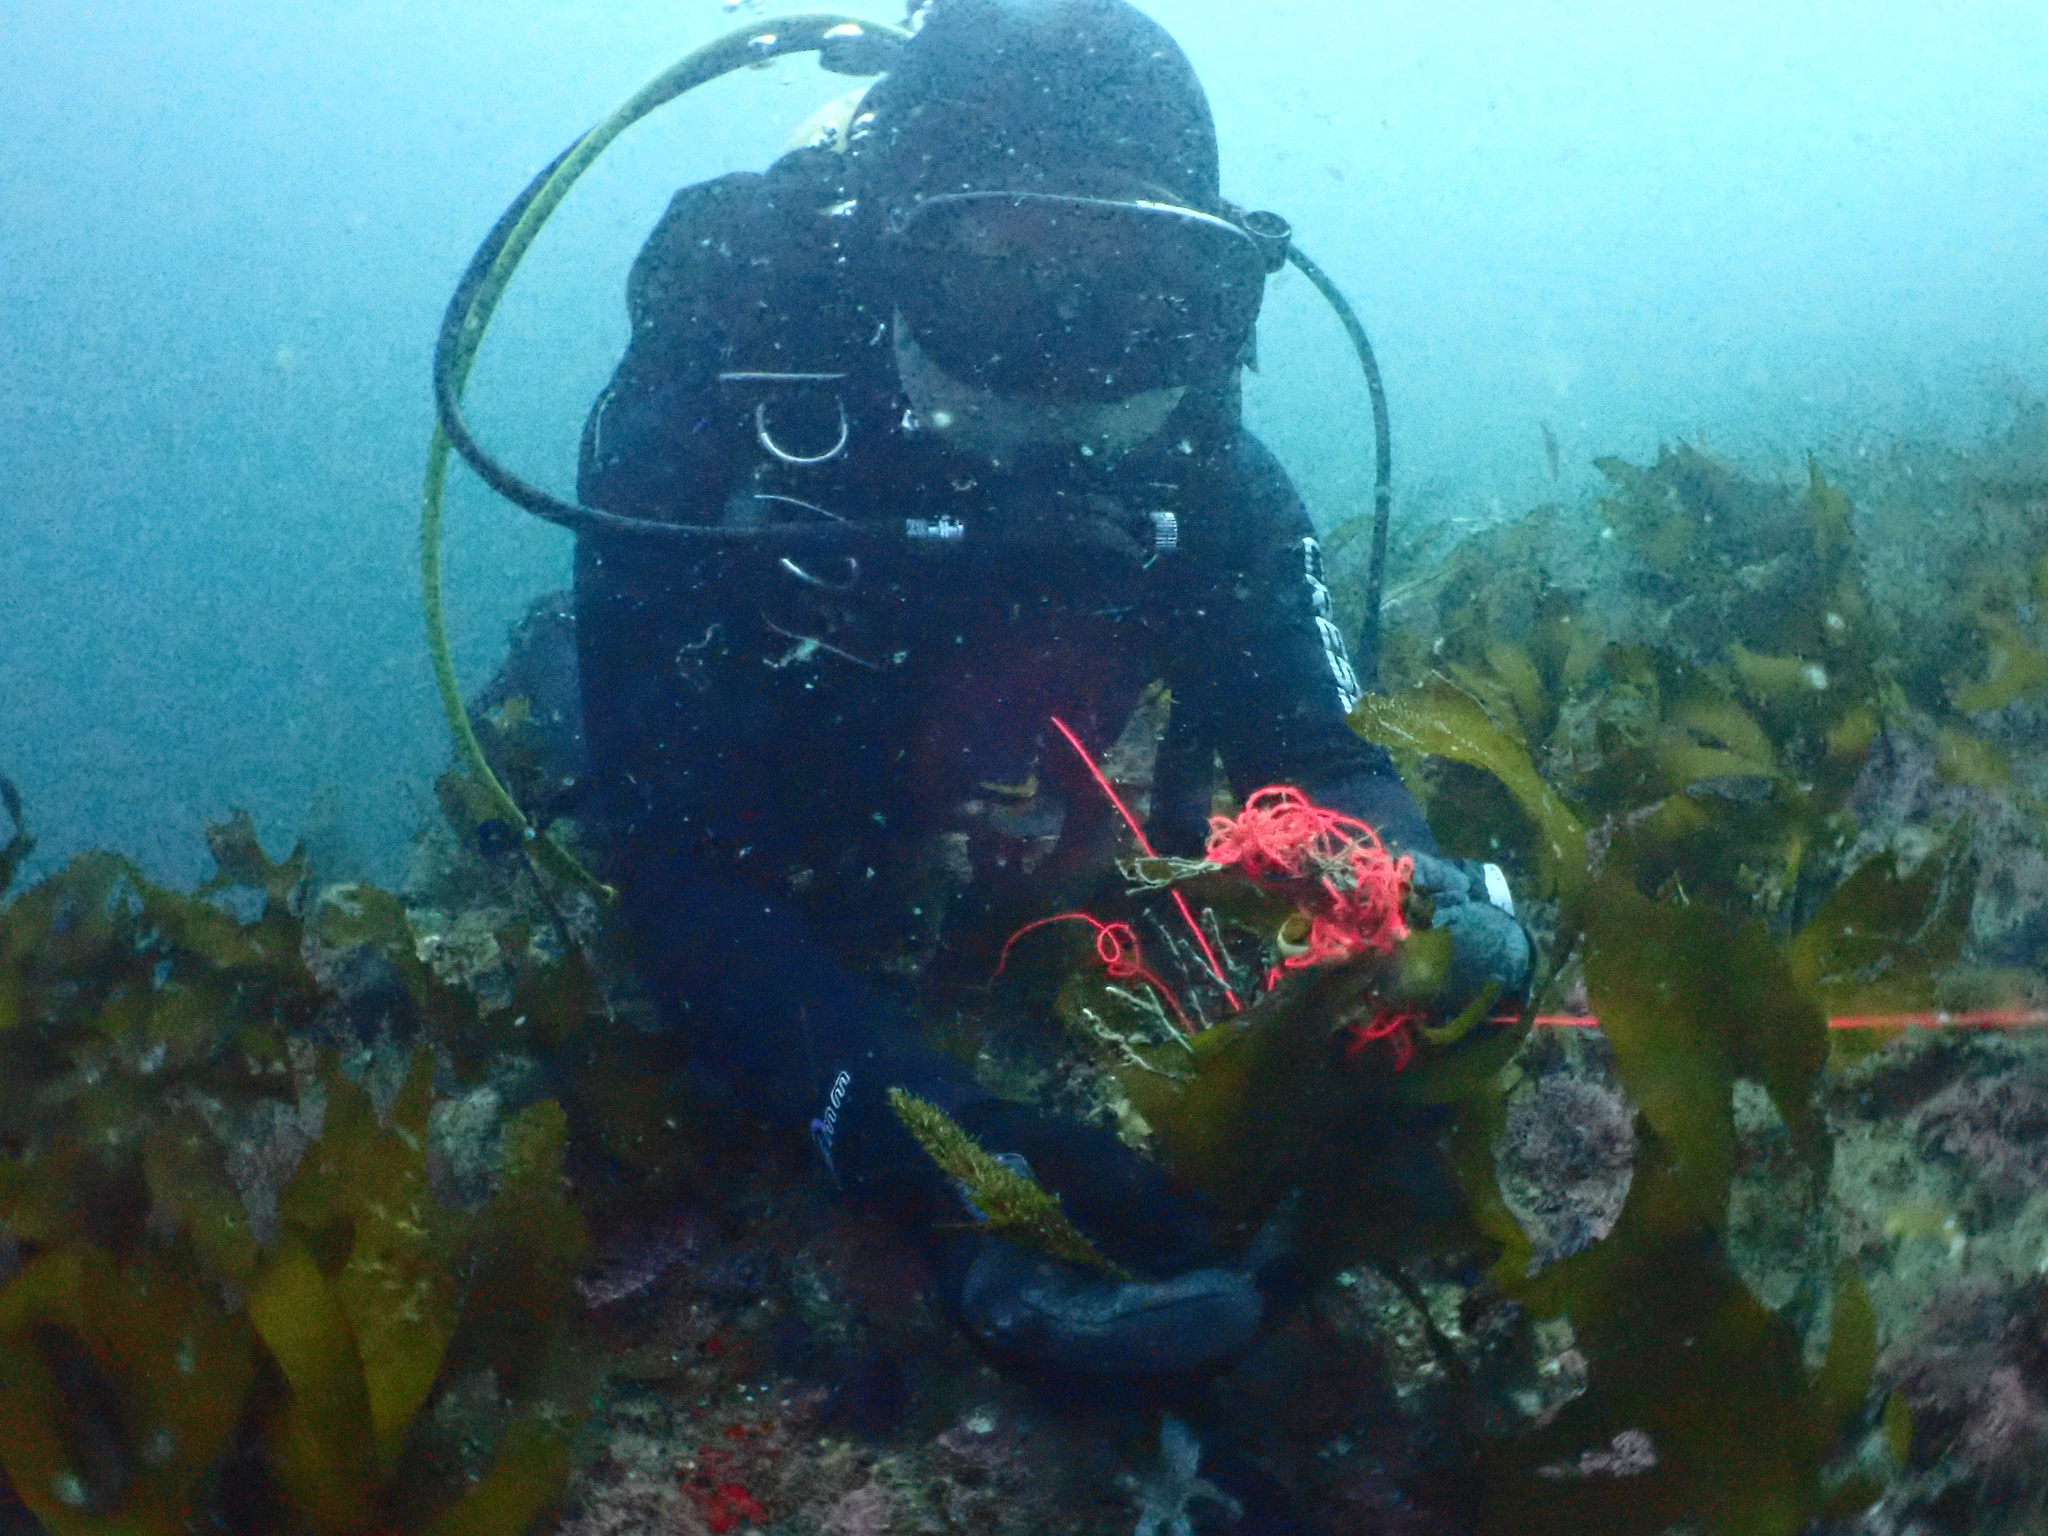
x: 1051, y: 1317
x: 1488, y: 945
x: 1184, y: 1312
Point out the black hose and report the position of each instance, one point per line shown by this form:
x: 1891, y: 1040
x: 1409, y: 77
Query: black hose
x: 483, y: 283
x: 462, y: 332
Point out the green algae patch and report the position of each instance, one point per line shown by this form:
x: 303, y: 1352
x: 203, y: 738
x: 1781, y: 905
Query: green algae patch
x: 1711, y: 747
x: 1685, y: 804
x: 1743, y: 1434
x: 396, y: 1292
x: 2014, y: 669
x: 188, y: 1185
x: 1689, y: 1005
x: 522, y: 1253
x: 1283, y: 1110
x: 1680, y: 1352
x: 321, y: 1447
x: 119, y: 1386
x: 1443, y: 720
x: 522, y: 1484
x: 1875, y: 946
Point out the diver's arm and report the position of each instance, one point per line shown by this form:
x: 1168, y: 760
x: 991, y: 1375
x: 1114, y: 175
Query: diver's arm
x: 682, y: 728
x: 1271, y: 672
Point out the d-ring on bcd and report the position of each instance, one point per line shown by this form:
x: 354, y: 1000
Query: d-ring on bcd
x: 768, y: 442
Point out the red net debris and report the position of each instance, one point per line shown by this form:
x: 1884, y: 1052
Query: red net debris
x: 1116, y: 946
x: 1333, y: 866
x: 1180, y: 902
x: 1391, y: 1025
x: 1347, y: 887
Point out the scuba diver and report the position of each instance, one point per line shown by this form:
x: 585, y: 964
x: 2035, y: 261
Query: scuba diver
x: 1003, y: 301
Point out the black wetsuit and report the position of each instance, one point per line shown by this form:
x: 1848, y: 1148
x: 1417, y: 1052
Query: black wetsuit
x: 773, y: 724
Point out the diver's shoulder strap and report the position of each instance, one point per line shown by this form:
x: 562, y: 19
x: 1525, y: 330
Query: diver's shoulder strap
x: 679, y: 265
x: 756, y: 264
x: 747, y: 325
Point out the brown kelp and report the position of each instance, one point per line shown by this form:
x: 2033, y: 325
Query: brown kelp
x: 233, y: 1290
x: 1674, y: 777
x: 1685, y: 795
x: 1747, y: 774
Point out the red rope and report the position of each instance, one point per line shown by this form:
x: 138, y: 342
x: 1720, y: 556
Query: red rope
x: 1145, y: 846
x: 1116, y: 946
x: 1966, y: 1018
x: 1389, y: 1025
x: 1346, y: 883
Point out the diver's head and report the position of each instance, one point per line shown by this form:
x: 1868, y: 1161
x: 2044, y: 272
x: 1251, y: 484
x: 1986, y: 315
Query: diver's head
x: 1040, y: 181
x: 1038, y: 96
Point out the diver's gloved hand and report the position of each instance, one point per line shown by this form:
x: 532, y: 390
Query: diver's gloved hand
x: 1054, y: 1317
x: 1183, y: 1312
x: 1186, y: 1308
x: 1488, y: 945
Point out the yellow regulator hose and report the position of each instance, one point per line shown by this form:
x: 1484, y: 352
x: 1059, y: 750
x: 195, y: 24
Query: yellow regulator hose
x: 476, y: 298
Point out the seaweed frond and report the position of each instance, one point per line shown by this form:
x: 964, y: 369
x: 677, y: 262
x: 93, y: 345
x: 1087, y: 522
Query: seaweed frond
x: 158, y: 1094
x: 1011, y: 1204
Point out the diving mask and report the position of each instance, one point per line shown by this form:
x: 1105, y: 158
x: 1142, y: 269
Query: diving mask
x: 1033, y: 295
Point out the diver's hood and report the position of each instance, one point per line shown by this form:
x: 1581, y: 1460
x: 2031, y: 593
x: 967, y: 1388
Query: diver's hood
x: 1038, y: 184
x: 1079, y: 97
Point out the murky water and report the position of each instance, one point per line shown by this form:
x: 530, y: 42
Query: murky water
x: 392, y: 1182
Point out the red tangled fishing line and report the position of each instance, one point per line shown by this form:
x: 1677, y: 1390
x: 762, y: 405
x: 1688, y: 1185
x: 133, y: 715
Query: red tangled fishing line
x: 1116, y: 946
x: 1144, y: 843
x: 1342, y: 880
x: 1389, y: 1025
x: 1335, y: 866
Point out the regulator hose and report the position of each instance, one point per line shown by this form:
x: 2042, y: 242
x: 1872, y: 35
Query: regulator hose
x: 1383, y: 459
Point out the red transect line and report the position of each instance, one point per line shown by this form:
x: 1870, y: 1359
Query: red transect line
x: 1962, y: 1018
x: 1145, y: 845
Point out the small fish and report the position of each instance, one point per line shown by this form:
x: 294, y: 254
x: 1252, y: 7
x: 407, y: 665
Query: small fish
x: 11, y: 798
x: 1551, y: 456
